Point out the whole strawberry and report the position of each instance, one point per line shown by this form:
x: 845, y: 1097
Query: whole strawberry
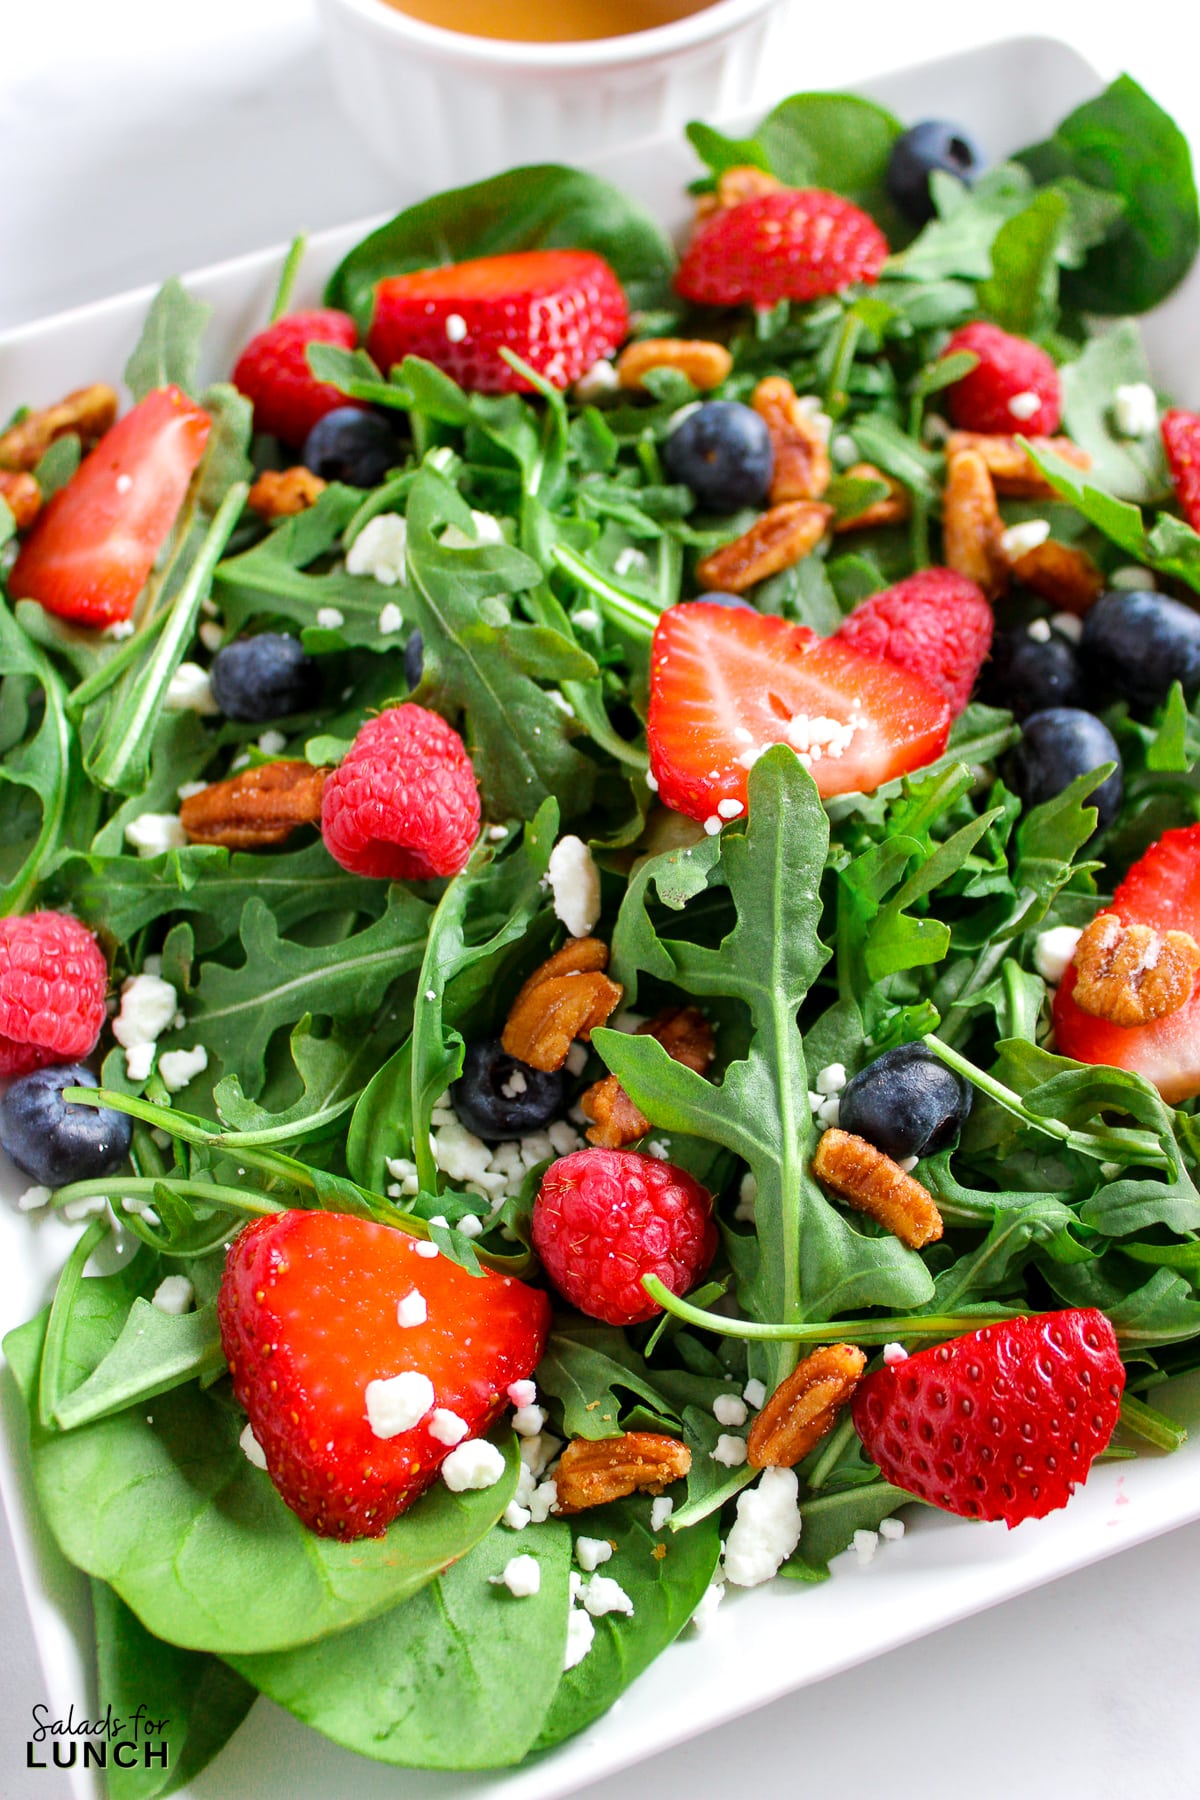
x: 791, y: 244
x: 605, y: 1218
x: 53, y: 981
x: 363, y: 1364
x: 1014, y: 387
x: 1001, y: 1424
x: 403, y: 805
x: 1181, y: 440
x: 273, y: 373
x: 936, y: 624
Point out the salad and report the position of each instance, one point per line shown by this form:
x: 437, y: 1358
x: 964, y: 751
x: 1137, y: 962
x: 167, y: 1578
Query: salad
x: 602, y: 885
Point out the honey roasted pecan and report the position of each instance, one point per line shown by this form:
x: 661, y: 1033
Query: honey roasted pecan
x: 1012, y: 472
x: 743, y: 182
x: 801, y: 461
x: 261, y: 806
x: 22, y: 495
x: 88, y: 411
x: 564, y: 999
x: 872, y: 1183
x: 804, y: 1407
x: 705, y: 364
x: 282, y: 493
x: 592, y: 1472
x: 893, y: 509
x: 1061, y: 574
x: 1133, y: 974
x: 687, y: 1037
x: 972, y: 528
x: 782, y: 536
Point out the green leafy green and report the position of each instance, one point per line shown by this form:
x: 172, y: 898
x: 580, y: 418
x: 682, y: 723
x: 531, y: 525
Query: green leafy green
x: 168, y: 351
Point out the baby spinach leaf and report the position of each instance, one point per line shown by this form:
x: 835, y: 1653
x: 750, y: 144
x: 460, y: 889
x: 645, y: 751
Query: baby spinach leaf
x: 1131, y: 468
x: 831, y: 1520
x: 155, y: 1352
x: 168, y: 351
x: 459, y: 1677
x: 545, y: 207
x: 1124, y: 143
x: 1021, y: 293
x: 959, y: 241
x: 665, y: 1590
x: 201, y: 1699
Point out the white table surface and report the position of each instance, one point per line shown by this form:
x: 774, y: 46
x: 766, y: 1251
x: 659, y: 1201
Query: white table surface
x: 139, y: 138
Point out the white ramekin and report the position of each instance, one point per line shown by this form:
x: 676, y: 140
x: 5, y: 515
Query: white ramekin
x: 441, y: 108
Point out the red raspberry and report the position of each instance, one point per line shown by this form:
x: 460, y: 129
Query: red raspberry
x: 403, y: 806
x: 936, y: 624
x: 1181, y: 440
x: 1000, y: 1424
x: 53, y: 979
x: 273, y: 372
x: 1008, y: 369
x: 605, y: 1218
x: 793, y: 244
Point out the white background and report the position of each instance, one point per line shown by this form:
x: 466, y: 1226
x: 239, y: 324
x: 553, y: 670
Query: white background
x: 138, y: 139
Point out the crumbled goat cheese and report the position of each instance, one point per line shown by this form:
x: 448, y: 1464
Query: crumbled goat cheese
x: 33, y: 1198
x: 515, y: 1517
x: 631, y: 562
x: 148, y: 1005
x: 1069, y: 625
x: 590, y: 1552
x: 580, y: 1633
x: 516, y: 1084
x: 891, y: 1530
x: 1039, y: 630
x: 527, y: 1421
x: 843, y: 450
x: 832, y: 1078
x: 522, y: 1577
x: 423, y: 1248
x: 1135, y: 409
x: 1023, y: 537
x: 747, y: 1195
x: 577, y: 1057
x: 475, y: 1464
x: 755, y: 1391
x: 471, y: 1225
x: 585, y: 619
x: 730, y: 809
x: 447, y: 1427
x: 522, y: 1393
x: 134, y: 1204
x: 810, y: 406
x: 713, y: 824
x: 174, y: 1295
x: 908, y: 1163
x: 537, y: 1453
x: 893, y: 1354
x: 178, y: 1067
x: 187, y: 790
x: 152, y: 833
x: 272, y: 743
x: 1053, y: 950
x: 330, y: 618
x: 251, y: 1448
x: 659, y: 1149
x: 766, y: 1530
x: 602, y: 1595
x: 729, y: 1409
x: 381, y: 550
x: 487, y: 531
x: 829, y: 1112
x: 139, y: 1061
x: 1130, y: 576
x: 866, y: 1543
x: 575, y: 884
x: 75, y: 1210
x: 660, y: 1511
x: 456, y: 328
x: 413, y: 1309
x: 190, y: 690
x: 730, y: 1451
x: 543, y: 1501
x: 706, y: 1611
x: 396, y: 1403
x: 1024, y: 406
x: 211, y: 635
x: 391, y: 620
x: 597, y: 382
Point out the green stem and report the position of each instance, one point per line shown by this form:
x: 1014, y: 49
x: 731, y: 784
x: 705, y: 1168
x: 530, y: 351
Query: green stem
x: 836, y: 398
x: 99, y: 683
x: 61, y: 1308
x: 192, y: 1131
x: 117, y: 1187
x: 626, y: 610
x: 1145, y: 1422
x: 832, y: 1453
x: 839, y: 1331
x: 287, y: 277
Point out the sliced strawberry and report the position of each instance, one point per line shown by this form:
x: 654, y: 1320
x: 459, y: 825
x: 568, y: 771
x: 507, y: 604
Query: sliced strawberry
x: 91, y: 551
x: 936, y: 624
x: 726, y: 683
x: 790, y: 244
x: 561, y: 311
x: 1181, y: 440
x: 1163, y: 890
x: 309, y: 1317
x: 274, y: 375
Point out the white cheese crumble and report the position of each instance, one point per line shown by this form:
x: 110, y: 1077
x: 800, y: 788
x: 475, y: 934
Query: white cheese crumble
x: 487, y: 531
x: 139, y: 1061
x: 1053, y: 950
x: 843, y: 450
x: 580, y: 1633
x: 747, y: 1196
x: 174, y: 1295
x: 211, y: 635
x: 447, y: 1427
x: 730, y: 809
x: 424, y: 1248
x: 1135, y: 409
x: 908, y: 1163
x: 250, y: 1447
x: 597, y: 382
x: 893, y: 1354
x: 660, y: 1511
x: 866, y: 1543
x: 272, y: 743
x: 190, y: 690
x: 1131, y: 577
x: 586, y: 619
x: 810, y: 406
x: 33, y: 1198
x: 1024, y: 406
x: 396, y: 1403
x: 730, y: 1451
x: 522, y: 1577
x: 1069, y: 625
x: 831, y: 1079
x: 330, y: 618
x: 713, y: 824
x: 178, y: 1067
x: 522, y: 1393
x: 381, y: 550
x: 1019, y: 539
x: 1039, y: 630
x: 515, y: 1516
x: 148, y: 1005
x: 659, y: 1149
x: 150, y: 834
x: 456, y: 328
x: 575, y: 884
x: 829, y: 1112
x: 766, y: 1530
x: 631, y: 562
x: 706, y: 1611
x: 729, y: 1409
x: 590, y: 1552
x: 391, y: 620
x: 891, y: 1530
x: 755, y: 1391
x: 577, y: 1057
x: 120, y: 630
x: 602, y: 1595
x: 527, y: 1421
x: 475, y: 1464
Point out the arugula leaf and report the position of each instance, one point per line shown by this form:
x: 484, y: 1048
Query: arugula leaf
x: 332, y: 1072
x: 958, y: 242
x: 1131, y: 468
x: 583, y: 1366
x: 168, y: 351
x: 1170, y: 546
x: 1021, y: 292
x: 45, y: 765
x: 544, y: 207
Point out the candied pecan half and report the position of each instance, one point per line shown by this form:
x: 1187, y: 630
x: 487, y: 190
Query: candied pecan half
x: 261, y: 806
x: 564, y: 999
x: 804, y: 1407
x: 1133, y: 974
x: 686, y: 1036
x: 893, y: 509
x: 89, y: 411
x: 801, y: 470
x: 593, y: 1471
x: 282, y: 493
x: 872, y: 1183
x: 705, y: 364
x: 744, y: 182
x: 972, y: 528
x: 1012, y: 472
x: 782, y: 536
x: 22, y: 495
x: 1061, y: 574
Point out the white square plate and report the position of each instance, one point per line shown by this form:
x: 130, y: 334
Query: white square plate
x: 777, y: 1638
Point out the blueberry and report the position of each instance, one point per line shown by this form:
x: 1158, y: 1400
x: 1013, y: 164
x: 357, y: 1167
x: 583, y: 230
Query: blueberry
x: 1028, y: 672
x: 1057, y: 746
x: 933, y: 144
x: 498, y: 1097
x: 351, y: 445
x: 722, y: 451
x: 906, y: 1103
x: 716, y: 598
x: 1137, y: 643
x: 265, y: 677
x: 414, y: 659
x: 57, y: 1143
